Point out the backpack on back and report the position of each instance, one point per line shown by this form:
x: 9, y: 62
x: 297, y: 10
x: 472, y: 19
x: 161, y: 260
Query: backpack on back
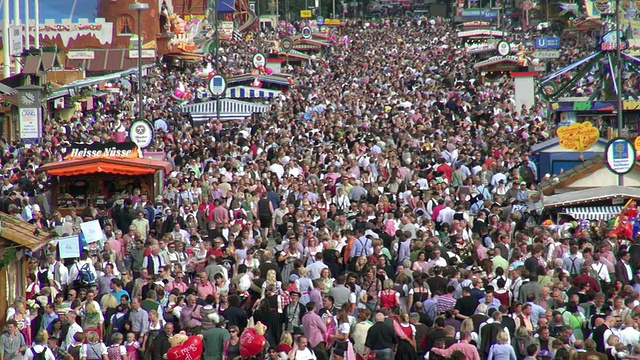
x: 85, y: 276
x: 40, y: 355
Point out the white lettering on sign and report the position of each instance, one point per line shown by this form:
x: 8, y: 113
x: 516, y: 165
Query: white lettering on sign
x: 111, y: 152
x: 29, y: 123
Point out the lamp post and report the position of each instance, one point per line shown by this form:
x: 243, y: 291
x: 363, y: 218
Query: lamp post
x: 618, y: 81
x: 139, y: 8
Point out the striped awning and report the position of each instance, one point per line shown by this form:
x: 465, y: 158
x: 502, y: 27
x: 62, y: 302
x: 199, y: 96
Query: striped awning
x: 247, y: 92
x: 592, y: 212
x: 229, y: 109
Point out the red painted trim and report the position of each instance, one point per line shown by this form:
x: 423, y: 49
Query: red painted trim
x: 524, y: 74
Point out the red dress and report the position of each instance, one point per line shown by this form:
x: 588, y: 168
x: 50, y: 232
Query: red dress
x: 388, y: 299
x: 503, y: 297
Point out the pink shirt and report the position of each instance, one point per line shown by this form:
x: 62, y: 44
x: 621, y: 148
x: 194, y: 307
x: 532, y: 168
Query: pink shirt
x: 116, y: 245
x: 206, y: 289
x: 174, y: 285
x: 314, y: 328
x: 470, y: 351
x: 220, y: 215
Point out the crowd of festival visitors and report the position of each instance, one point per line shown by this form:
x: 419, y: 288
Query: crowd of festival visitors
x: 380, y: 210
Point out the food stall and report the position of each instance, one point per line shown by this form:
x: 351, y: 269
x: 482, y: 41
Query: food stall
x: 93, y: 173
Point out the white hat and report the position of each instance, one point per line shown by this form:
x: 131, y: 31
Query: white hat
x: 372, y: 233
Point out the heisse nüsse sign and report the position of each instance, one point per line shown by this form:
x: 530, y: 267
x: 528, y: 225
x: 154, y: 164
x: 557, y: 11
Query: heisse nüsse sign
x: 108, y: 150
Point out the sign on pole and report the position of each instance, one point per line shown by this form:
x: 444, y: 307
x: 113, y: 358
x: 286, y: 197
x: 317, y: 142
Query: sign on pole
x: 546, y: 54
x: 549, y: 42
x: 16, y: 41
x: 29, y: 124
x: 92, y: 231
x: 620, y: 156
x: 69, y: 247
x: 319, y: 21
x: 306, y: 32
x: 305, y: 14
x: 217, y: 85
x: 142, y: 133
x: 259, y: 60
x: 286, y: 44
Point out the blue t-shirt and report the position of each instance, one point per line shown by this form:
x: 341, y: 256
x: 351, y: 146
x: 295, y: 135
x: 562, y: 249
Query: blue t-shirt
x: 118, y: 294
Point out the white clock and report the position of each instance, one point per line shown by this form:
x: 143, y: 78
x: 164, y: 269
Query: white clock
x: 28, y: 98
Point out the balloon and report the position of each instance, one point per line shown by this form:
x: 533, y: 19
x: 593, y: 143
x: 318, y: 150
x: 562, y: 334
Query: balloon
x: 268, y: 71
x: 189, y: 350
x: 260, y: 67
x: 178, y: 94
x: 251, y: 343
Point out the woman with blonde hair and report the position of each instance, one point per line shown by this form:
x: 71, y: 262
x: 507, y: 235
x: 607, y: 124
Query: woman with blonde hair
x: 271, y: 279
x: 501, y: 350
x: 92, y: 318
x: 467, y: 325
x: 361, y: 264
x: 389, y: 298
x: 303, y: 285
x: 326, y: 279
x: 96, y: 349
x: 407, y: 346
x: 286, y: 342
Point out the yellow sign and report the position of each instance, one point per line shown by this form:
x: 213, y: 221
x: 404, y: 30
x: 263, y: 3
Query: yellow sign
x: 305, y: 14
x: 578, y: 137
x: 636, y: 144
x: 332, y: 22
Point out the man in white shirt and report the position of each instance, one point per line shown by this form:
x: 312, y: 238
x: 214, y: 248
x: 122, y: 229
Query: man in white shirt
x: 73, y: 329
x: 57, y: 274
x: 445, y: 216
x: 314, y: 270
x: 38, y: 348
x: 74, y: 270
x: 142, y: 225
x: 301, y: 351
x: 629, y: 335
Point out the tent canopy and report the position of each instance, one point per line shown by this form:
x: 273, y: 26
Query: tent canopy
x: 605, y: 213
x: 131, y: 167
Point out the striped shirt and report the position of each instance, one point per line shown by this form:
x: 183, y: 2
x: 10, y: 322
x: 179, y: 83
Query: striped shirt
x: 445, y: 303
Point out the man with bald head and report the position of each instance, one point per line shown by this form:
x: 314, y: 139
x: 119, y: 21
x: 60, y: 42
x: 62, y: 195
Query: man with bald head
x: 602, y: 331
x: 381, y: 339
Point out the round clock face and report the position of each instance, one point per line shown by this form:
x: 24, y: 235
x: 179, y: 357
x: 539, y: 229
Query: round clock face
x: 28, y: 98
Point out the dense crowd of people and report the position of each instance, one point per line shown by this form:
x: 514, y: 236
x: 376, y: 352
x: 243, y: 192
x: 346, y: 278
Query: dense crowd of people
x: 380, y: 210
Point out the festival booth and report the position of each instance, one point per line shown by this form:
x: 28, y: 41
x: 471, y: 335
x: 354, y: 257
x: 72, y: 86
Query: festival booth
x: 18, y: 239
x: 593, y: 79
x: 589, y: 174
x: 552, y: 158
x: 230, y: 109
x: 601, y: 113
x: 604, y: 210
x: 93, y: 173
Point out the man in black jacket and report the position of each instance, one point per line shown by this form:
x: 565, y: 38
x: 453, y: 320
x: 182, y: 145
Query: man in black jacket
x: 489, y: 333
x: 234, y: 314
x: 602, y: 332
x: 381, y: 339
x: 161, y: 343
